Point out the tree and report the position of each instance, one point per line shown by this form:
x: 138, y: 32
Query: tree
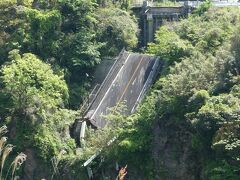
x: 42, y: 37
x: 204, y: 7
x: 116, y: 29
x: 169, y: 46
x: 79, y: 50
x: 38, y: 113
x: 32, y: 83
x: 11, y: 34
x: 201, y: 90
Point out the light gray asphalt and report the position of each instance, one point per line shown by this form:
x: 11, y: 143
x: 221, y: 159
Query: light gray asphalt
x: 124, y: 83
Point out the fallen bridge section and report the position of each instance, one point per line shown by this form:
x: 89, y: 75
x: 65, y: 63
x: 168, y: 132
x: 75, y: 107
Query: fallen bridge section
x: 129, y: 78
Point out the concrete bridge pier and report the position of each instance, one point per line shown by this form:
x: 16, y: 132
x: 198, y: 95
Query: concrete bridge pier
x: 148, y: 25
x: 151, y: 17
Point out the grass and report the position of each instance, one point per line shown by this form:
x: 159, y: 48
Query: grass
x: 5, y: 150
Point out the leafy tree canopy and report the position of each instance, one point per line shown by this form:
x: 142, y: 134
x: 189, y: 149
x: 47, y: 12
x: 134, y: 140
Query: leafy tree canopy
x: 32, y: 83
x: 116, y: 29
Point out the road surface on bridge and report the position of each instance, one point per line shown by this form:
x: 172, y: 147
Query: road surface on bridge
x: 127, y: 81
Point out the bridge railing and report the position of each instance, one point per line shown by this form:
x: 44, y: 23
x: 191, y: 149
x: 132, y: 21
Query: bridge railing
x: 140, y: 3
x: 218, y: 3
x: 110, y: 76
x: 225, y: 3
x: 88, y: 100
x: 136, y: 5
x: 192, y: 3
x: 183, y: 3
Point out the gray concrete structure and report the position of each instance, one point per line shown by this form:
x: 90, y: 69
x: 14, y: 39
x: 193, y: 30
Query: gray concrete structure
x: 151, y: 17
x: 132, y: 74
x: 128, y: 80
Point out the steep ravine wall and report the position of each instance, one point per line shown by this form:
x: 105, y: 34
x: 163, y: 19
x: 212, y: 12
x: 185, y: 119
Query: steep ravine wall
x: 174, y: 157
x: 170, y: 157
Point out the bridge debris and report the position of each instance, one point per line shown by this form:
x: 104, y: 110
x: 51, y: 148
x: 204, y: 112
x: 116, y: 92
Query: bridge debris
x: 128, y: 80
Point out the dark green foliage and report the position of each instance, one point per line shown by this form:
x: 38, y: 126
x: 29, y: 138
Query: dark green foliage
x: 52, y: 136
x: 70, y: 37
x: 222, y: 170
x: 201, y: 86
x: 117, y: 29
x: 198, y: 100
x: 169, y: 46
x: 204, y: 7
x: 38, y: 97
x: 123, y: 4
x: 198, y: 93
x: 44, y: 32
x: 67, y: 34
x: 25, y: 79
x: 11, y: 33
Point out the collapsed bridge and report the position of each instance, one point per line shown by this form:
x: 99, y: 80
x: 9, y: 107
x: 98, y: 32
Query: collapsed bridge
x: 129, y: 78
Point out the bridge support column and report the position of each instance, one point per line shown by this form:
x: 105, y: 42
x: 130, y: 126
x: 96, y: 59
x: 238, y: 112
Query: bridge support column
x: 150, y: 27
x: 82, y: 133
x: 90, y: 173
x: 145, y: 32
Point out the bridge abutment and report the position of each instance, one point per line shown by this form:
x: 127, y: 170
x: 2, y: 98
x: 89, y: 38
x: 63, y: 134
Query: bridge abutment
x: 151, y: 17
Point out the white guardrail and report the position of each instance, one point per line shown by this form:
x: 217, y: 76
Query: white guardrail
x: 217, y: 3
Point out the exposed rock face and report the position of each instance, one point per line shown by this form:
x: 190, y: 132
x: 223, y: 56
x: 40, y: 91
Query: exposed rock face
x: 30, y: 164
x: 172, y: 152
x: 33, y: 168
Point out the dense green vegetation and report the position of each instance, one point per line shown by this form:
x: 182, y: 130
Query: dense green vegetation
x: 201, y: 86
x: 48, y: 52
x: 70, y: 35
x: 197, y: 92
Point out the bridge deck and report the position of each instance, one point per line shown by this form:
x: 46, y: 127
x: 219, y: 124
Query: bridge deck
x: 126, y: 81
